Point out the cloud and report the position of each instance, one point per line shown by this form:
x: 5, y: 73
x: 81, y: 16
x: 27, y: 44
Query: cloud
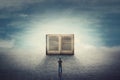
x: 93, y: 2
x: 103, y: 6
x: 86, y: 56
x: 93, y: 5
x: 4, y: 16
x: 32, y: 33
x: 6, y: 43
x: 23, y: 15
x: 16, y: 3
x: 85, y: 27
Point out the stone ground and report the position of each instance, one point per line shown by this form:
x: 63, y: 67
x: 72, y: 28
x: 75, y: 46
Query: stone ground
x: 73, y: 69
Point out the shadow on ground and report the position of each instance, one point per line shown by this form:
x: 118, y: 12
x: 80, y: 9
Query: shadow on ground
x: 47, y: 69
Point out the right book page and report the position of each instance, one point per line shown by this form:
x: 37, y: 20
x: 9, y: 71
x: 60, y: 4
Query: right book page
x: 67, y: 44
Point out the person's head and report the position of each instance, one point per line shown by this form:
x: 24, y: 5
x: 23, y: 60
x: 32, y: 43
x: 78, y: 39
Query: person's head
x: 60, y: 59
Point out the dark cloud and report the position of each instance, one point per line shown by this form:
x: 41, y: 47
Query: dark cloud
x: 100, y: 16
x: 103, y: 5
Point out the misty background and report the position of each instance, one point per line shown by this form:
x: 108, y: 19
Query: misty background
x: 25, y: 23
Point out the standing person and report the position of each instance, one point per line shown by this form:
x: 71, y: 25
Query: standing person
x: 60, y: 69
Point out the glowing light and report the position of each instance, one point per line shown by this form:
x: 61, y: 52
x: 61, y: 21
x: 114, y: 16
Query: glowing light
x: 35, y: 38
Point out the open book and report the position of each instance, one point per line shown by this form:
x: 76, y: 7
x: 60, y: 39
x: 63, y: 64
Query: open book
x: 60, y: 44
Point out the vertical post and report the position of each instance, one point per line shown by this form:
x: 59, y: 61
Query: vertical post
x: 60, y: 69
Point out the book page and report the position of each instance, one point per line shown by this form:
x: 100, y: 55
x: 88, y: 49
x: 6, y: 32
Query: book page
x: 66, y: 43
x: 53, y: 43
x: 60, y: 44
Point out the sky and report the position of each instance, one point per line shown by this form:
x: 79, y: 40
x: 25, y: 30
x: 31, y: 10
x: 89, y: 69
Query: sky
x: 24, y: 23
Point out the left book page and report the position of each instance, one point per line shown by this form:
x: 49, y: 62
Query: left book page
x: 53, y: 44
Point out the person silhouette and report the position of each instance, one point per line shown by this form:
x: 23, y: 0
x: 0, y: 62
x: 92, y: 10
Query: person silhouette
x: 60, y: 69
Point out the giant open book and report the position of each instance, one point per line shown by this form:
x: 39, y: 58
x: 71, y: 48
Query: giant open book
x: 60, y: 44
